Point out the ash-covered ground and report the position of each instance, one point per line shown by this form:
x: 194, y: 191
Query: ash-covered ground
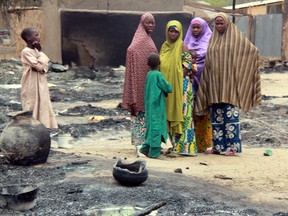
x: 59, y: 195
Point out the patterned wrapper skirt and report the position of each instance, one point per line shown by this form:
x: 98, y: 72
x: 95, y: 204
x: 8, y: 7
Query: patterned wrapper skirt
x: 185, y: 143
x: 138, y: 129
x: 203, y: 131
x: 226, y: 128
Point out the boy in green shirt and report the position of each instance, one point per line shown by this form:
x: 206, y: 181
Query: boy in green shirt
x: 156, y: 89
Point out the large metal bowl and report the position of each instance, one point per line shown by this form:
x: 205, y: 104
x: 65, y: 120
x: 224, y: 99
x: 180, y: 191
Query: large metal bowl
x: 18, y: 197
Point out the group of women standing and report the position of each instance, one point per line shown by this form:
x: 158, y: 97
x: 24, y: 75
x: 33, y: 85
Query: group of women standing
x: 202, y: 110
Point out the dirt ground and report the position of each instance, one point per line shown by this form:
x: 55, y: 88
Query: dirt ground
x: 77, y: 180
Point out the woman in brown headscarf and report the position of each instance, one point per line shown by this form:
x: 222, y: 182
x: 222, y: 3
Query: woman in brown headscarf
x: 230, y: 80
x: 135, y: 76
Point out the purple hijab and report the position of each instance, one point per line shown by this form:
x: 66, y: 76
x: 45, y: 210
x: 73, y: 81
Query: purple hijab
x: 199, y: 44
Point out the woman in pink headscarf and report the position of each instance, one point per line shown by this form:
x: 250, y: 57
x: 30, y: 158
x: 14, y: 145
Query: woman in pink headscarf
x: 135, y: 76
x: 197, y: 38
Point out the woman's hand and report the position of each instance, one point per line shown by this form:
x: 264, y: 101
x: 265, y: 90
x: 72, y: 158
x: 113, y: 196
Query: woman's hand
x: 193, y: 70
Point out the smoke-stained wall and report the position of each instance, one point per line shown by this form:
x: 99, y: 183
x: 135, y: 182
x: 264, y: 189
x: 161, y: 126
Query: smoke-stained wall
x: 124, y: 5
x: 95, y: 38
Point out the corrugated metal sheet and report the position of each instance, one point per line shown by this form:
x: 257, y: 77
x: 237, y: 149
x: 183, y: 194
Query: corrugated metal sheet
x: 255, y: 4
x: 268, y: 37
x: 242, y: 24
x: 267, y: 33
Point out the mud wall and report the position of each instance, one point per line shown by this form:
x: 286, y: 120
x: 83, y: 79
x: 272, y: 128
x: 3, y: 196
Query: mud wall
x: 95, y: 38
x: 52, y: 29
x: 23, y: 20
x: 47, y: 19
x: 52, y: 40
x: 2, y: 23
x: 126, y: 5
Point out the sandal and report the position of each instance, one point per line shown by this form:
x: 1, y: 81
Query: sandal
x: 168, y: 151
x: 172, y: 154
x: 268, y: 152
x: 230, y: 153
x: 188, y: 154
x: 211, y: 151
x: 160, y: 157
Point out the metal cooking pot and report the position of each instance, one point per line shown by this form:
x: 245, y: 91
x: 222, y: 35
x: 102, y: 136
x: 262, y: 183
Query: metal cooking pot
x: 132, y: 174
x: 18, y: 197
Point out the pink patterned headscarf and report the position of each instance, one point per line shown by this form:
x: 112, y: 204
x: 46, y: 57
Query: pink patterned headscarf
x: 136, y: 68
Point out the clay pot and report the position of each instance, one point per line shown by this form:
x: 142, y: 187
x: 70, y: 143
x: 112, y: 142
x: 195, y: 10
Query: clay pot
x: 18, y: 197
x: 25, y: 141
x: 132, y: 174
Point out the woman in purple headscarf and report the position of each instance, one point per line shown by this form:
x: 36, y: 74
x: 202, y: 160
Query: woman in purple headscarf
x: 197, y: 39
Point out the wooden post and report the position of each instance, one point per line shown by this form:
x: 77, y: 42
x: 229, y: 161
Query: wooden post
x: 251, y: 29
x: 52, y: 30
x: 284, y: 50
x: 233, y: 7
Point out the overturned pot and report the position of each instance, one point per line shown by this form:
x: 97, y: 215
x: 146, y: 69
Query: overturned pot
x: 24, y: 140
x: 18, y: 197
x: 132, y: 174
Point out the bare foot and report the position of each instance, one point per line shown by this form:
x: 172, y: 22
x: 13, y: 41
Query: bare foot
x: 144, y: 153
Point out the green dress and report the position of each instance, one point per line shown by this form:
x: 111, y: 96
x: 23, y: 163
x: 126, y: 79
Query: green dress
x: 156, y: 89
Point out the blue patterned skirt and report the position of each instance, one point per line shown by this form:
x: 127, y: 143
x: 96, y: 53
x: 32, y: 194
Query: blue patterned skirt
x: 226, y: 128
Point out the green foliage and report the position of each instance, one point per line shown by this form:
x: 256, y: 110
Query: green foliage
x: 219, y: 3
x: 223, y: 3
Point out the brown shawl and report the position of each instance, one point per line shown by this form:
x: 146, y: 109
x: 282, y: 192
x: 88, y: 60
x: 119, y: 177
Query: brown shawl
x: 231, y: 73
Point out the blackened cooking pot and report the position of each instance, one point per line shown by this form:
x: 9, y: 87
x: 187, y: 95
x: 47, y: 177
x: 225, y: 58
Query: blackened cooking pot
x: 18, y: 197
x: 132, y: 174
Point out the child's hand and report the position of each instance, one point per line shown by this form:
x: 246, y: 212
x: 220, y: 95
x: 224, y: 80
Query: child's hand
x: 37, y: 45
x: 185, y: 72
x: 191, y: 77
x: 194, y: 71
x: 35, y: 70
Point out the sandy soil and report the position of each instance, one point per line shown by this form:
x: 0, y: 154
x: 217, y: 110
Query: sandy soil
x: 80, y: 178
x: 263, y: 179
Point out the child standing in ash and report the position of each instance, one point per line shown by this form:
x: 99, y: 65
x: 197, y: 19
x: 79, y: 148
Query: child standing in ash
x: 35, y: 92
x: 156, y: 89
